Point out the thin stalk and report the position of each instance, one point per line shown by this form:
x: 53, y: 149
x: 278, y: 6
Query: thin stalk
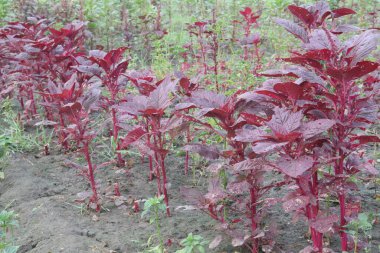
x: 187, y: 152
x: 120, y: 161
x: 158, y: 228
x: 157, y: 168
x: 161, y: 139
x: 90, y: 175
x: 62, y: 133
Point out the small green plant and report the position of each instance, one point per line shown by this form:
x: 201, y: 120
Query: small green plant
x: 152, y: 208
x: 8, y: 221
x: 193, y: 244
x: 362, y: 226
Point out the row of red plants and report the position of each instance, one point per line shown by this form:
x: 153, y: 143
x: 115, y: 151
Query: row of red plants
x: 303, y: 129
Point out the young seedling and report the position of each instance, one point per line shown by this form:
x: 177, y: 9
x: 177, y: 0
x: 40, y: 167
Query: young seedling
x: 193, y: 244
x: 153, y: 207
x: 361, y: 227
x: 8, y: 222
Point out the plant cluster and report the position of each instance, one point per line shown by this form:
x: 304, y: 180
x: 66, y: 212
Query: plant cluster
x: 303, y: 130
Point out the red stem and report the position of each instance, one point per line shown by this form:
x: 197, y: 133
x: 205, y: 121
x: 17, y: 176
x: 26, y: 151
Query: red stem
x: 120, y: 161
x: 62, y: 133
x: 161, y: 139
x: 90, y: 175
x: 187, y: 152
x: 157, y: 167
x: 150, y: 157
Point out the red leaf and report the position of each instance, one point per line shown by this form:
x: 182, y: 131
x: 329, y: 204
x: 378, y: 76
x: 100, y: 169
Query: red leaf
x: 253, y: 119
x: 295, y: 167
x: 249, y: 135
x: 115, y: 55
x: 293, y: 28
x: 200, y: 24
x: 303, y: 14
x: 324, y: 224
x: 284, y: 121
x: 322, y: 54
x: 290, y: 89
x: 247, y: 11
x: 209, y: 152
x: 342, y: 12
x: 361, y: 69
x: 251, y: 164
x: 270, y: 94
x: 364, y: 139
x: 71, y: 108
x: 267, y: 146
x: 132, y: 136
x: 313, y: 128
x: 295, y: 203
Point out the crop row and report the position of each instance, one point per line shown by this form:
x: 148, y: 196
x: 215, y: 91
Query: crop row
x: 306, y: 122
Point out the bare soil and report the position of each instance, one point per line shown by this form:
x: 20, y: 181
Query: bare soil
x: 43, y: 192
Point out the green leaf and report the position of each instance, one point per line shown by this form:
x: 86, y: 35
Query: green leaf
x: 11, y: 249
x: 201, y: 249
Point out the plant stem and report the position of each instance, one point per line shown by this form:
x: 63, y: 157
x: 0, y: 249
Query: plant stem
x: 120, y: 161
x: 90, y: 175
x: 158, y: 228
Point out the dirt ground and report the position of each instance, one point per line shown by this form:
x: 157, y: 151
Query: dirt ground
x: 43, y: 191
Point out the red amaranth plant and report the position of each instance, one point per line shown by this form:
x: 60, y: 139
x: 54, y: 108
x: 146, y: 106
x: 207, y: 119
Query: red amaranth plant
x: 79, y: 130
x: 57, y: 96
x: 251, y: 39
x: 39, y: 57
x: 18, y: 38
x: 294, y: 141
x: 155, y: 121
x: 331, y: 69
x: 185, y: 89
x: 109, y: 69
x: 240, y: 181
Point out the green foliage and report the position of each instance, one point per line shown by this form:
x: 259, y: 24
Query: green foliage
x: 4, y: 9
x: 361, y: 228
x: 363, y: 223
x: 8, y: 222
x: 193, y: 244
x: 12, y: 133
x: 153, y: 207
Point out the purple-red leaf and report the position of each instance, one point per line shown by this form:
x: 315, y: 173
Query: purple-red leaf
x: 301, y: 13
x: 290, y: 89
x: 342, y: 12
x: 132, y: 137
x: 284, y: 121
x: 324, y: 224
x: 251, y: 164
x: 296, y: 203
x: 313, y: 128
x: 209, y: 152
x: 250, y: 135
x: 293, y: 28
x: 295, y: 167
x: 361, y: 69
x: 267, y: 146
